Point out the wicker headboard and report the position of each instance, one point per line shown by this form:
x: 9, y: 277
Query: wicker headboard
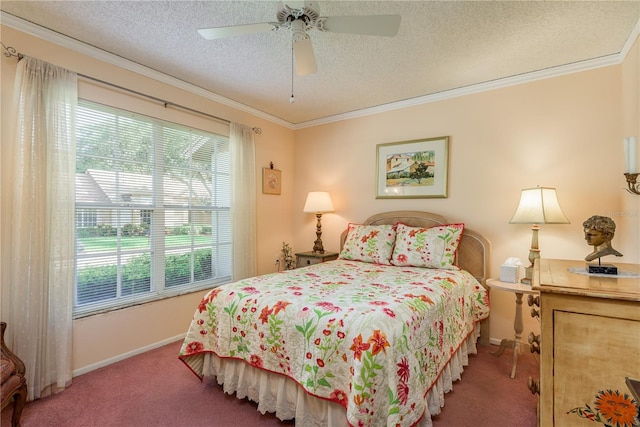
x: 473, y: 252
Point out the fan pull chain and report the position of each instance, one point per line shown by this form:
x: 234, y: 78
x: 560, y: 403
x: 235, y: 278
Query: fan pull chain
x: 292, y: 99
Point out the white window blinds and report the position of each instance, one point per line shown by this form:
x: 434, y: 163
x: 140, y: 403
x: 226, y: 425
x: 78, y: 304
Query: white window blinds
x: 152, y: 208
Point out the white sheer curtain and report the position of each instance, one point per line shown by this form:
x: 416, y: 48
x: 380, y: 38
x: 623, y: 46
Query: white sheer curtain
x: 41, y: 257
x: 243, y: 201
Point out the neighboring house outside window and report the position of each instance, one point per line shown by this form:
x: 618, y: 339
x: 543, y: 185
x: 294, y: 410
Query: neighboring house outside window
x: 152, y: 209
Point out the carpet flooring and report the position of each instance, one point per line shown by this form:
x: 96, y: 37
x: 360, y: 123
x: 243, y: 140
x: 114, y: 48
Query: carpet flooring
x: 155, y: 389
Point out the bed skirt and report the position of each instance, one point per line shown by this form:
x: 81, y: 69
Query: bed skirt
x: 282, y: 396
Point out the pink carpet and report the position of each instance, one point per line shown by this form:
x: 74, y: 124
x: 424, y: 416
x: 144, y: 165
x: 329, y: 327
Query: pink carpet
x: 156, y: 389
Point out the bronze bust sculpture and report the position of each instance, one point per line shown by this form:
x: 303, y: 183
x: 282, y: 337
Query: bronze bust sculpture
x: 598, y: 232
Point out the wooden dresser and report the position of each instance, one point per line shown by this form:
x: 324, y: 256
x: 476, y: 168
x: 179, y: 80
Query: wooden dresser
x: 590, y: 337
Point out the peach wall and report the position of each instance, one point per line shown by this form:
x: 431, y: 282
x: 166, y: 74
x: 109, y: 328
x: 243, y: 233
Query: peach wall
x: 562, y: 132
x: 106, y: 338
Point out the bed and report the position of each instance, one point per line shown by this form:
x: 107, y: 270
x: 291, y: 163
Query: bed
x: 374, y: 338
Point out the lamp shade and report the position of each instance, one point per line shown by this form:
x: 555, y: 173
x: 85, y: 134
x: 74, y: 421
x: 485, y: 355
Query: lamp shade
x: 539, y: 206
x: 318, y: 202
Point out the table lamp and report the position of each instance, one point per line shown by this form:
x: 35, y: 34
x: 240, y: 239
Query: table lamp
x: 537, y: 206
x: 318, y: 202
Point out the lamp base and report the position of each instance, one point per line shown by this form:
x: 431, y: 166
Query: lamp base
x: 317, y: 245
x: 534, y: 254
x: 602, y: 269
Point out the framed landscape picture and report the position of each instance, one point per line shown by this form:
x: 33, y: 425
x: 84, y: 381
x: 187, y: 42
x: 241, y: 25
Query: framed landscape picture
x: 412, y: 169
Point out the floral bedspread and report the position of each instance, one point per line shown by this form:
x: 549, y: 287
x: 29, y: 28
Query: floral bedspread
x: 372, y: 338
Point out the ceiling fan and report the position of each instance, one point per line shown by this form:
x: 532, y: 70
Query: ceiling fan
x: 307, y: 18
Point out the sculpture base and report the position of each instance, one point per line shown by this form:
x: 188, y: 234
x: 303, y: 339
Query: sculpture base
x: 602, y: 269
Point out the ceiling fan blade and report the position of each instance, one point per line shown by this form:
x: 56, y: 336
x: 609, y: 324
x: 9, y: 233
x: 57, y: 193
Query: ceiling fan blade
x: 305, y: 59
x: 236, y: 30
x: 371, y: 25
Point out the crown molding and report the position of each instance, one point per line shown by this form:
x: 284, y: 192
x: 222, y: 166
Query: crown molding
x: 591, y: 64
x: 635, y: 33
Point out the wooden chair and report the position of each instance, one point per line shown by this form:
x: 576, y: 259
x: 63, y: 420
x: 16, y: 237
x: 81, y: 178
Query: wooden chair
x: 14, y: 383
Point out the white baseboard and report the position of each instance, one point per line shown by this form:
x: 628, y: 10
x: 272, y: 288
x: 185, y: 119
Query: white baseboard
x: 126, y: 355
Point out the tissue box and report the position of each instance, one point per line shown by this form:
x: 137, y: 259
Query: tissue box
x: 509, y: 273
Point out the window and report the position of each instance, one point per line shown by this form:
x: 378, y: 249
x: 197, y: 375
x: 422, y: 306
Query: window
x: 86, y: 218
x: 145, y: 217
x: 152, y: 208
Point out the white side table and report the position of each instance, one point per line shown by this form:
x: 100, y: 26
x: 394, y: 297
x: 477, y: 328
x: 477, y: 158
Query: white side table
x: 519, y: 289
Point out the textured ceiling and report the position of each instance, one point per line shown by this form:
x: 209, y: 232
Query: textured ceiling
x: 440, y: 46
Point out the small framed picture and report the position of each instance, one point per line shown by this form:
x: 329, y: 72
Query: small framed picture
x: 271, y: 181
x: 412, y: 169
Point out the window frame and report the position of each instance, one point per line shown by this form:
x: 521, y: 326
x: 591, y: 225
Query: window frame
x: 154, y: 211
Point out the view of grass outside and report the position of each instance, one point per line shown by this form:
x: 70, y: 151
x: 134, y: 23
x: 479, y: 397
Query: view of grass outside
x: 109, y: 243
x: 99, y: 282
x: 187, y: 258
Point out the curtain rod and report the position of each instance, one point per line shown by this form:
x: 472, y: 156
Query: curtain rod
x: 12, y: 52
x: 166, y: 104
x: 9, y: 52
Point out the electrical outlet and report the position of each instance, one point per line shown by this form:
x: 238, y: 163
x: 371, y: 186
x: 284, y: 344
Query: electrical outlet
x: 277, y: 260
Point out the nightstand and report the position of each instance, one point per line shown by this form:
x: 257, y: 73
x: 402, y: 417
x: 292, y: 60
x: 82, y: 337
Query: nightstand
x: 304, y: 259
x: 519, y: 289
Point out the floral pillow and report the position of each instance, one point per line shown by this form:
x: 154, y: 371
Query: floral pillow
x: 369, y: 243
x: 433, y: 247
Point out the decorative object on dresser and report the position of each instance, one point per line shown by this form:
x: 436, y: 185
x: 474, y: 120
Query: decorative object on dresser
x: 630, y: 156
x: 537, y: 206
x: 589, y: 344
x: 598, y: 232
x: 412, y: 169
x: 318, y: 202
x: 515, y: 344
x: 304, y: 259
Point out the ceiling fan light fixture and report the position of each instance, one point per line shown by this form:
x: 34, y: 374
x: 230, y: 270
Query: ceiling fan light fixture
x: 307, y: 18
x: 308, y: 15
